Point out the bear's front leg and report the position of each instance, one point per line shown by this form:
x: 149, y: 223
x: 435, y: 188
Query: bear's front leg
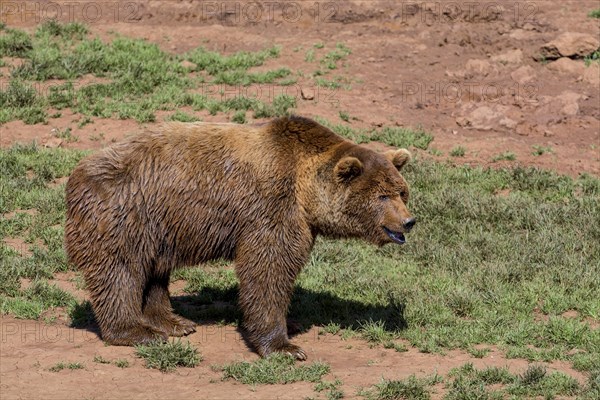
x: 266, y: 286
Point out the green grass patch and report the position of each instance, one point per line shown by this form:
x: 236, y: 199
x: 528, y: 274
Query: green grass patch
x: 399, y: 347
x: 32, y: 302
x: 536, y: 381
x: 592, y: 388
x: 330, y: 60
x: 168, y: 356
x: 61, y: 365
x: 239, y: 117
x: 458, y: 151
x: 332, y: 389
x: 594, y: 13
x: 478, y: 353
x: 15, y: 43
x: 72, y: 30
x: 100, y: 360
x: 375, y: 332
x: 121, y: 363
x: 138, y: 78
x: 181, y: 116
x: 594, y: 57
x: 467, y: 382
x: 275, y: 369
x: 344, y: 116
x: 411, y: 388
x: 506, y: 156
x: 540, y: 150
x: 393, y: 136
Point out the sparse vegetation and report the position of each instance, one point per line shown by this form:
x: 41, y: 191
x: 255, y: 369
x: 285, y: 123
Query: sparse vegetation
x: 181, y: 116
x: 393, y: 136
x: 330, y: 60
x: 138, y: 78
x: 458, y: 151
x: 239, y: 117
x: 168, y: 356
x: 469, y: 382
x: 122, y: 363
x: 32, y: 302
x: 332, y: 389
x: 594, y: 13
x: 277, y: 368
x: 60, y: 366
x: 478, y: 353
x: 506, y: 156
x: 65, y: 134
x: 399, y: 347
x: 375, y: 332
x: 594, y: 57
x: 411, y: 388
x: 101, y: 360
x: 540, y: 150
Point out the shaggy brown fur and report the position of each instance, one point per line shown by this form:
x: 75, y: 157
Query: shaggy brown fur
x: 195, y: 192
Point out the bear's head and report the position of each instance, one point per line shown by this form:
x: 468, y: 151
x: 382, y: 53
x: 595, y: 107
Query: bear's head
x: 367, y: 196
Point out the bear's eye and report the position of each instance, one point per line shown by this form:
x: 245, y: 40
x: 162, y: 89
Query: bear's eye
x: 384, y: 197
x: 403, y: 194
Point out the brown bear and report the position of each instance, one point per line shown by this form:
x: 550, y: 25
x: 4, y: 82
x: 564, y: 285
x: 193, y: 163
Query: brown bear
x: 257, y: 195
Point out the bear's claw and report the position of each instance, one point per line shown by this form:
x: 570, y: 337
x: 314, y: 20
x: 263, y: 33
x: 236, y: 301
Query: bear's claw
x: 183, y: 327
x: 294, y: 351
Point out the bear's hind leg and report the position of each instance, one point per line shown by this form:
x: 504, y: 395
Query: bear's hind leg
x: 159, y: 313
x: 117, y: 303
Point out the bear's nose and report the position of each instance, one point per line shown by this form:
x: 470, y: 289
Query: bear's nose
x: 409, y: 223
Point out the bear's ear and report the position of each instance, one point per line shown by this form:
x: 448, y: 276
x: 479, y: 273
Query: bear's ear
x: 348, y: 168
x: 399, y: 157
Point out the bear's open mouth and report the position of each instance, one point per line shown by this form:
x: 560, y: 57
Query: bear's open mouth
x: 397, y: 237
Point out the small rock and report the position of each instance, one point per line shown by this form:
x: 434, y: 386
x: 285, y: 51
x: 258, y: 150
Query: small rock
x: 554, y: 109
x: 520, y: 34
x: 570, y: 44
x: 508, y: 123
x: 462, y: 121
x: 510, y: 57
x: 306, y: 96
x: 569, y: 101
x: 567, y: 66
x: 524, y: 129
x: 481, y: 67
x: 53, y: 143
x: 486, y: 118
x: 523, y: 74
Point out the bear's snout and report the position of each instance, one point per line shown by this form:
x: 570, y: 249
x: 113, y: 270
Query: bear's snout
x: 408, y: 223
